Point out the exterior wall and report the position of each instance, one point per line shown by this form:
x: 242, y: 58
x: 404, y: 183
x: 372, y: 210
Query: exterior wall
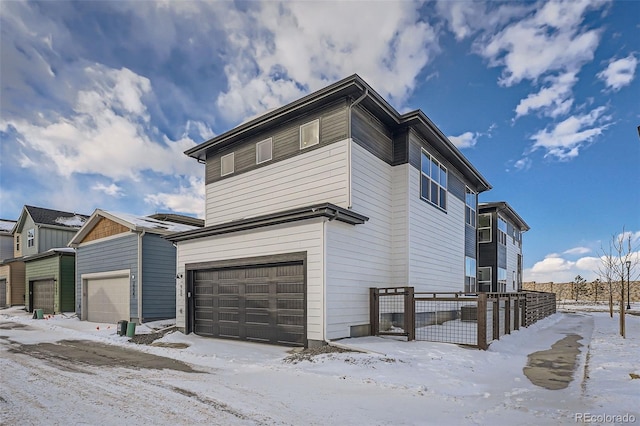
x: 25, y: 250
x: 288, y: 238
x: 6, y: 246
x: 111, y: 254
x: 104, y: 228
x: 319, y: 176
x: 400, y: 225
x: 14, y: 273
x: 513, y: 250
x: 67, y: 283
x: 45, y: 238
x: 17, y: 247
x: 361, y: 256
x: 47, y: 268
x: 158, y: 278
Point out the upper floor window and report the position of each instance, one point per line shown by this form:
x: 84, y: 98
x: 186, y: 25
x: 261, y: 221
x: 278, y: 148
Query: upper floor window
x: 433, y: 182
x: 470, y: 208
x: 18, y: 242
x: 31, y: 237
x: 310, y: 134
x: 470, y: 275
x: 502, y: 280
x: 484, y: 278
x: 264, y: 151
x: 227, y: 164
x: 502, y: 231
x: 484, y: 227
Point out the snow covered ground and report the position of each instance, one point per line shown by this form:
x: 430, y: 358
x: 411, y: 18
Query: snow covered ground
x: 392, y: 382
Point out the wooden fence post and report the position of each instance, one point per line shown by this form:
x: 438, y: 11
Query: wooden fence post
x: 496, y: 318
x: 482, y: 320
x: 507, y: 316
x: 409, y: 314
x: 374, y: 311
x: 516, y: 312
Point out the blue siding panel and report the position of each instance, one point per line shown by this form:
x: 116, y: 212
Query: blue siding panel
x: 158, y: 278
x: 110, y: 255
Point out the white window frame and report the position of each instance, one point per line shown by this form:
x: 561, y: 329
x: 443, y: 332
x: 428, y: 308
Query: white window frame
x: 233, y: 164
x: 480, y: 229
x: 303, y: 127
x: 480, y: 269
x: 502, y: 280
x: 470, y: 216
x: 31, y: 237
x: 441, y: 187
x: 502, y: 234
x: 260, y: 144
x: 470, y: 275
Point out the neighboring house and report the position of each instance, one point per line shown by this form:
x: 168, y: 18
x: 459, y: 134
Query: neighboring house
x: 500, y: 231
x: 6, y: 239
x: 125, y: 270
x: 36, y: 231
x: 50, y: 283
x: 311, y: 204
x: 6, y: 252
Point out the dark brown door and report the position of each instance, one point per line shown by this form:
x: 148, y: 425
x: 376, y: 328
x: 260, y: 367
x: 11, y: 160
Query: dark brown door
x: 262, y: 303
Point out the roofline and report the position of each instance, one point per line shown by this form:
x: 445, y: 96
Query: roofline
x: 48, y: 253
x: 327, y: 210
x: 504, y: 206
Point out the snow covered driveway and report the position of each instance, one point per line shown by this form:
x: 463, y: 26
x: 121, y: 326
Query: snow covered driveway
x: 224, y: 382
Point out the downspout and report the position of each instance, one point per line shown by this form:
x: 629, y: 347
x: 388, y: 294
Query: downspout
x: 140, y: 236
x: 324, y: 281
x: 350, y: 141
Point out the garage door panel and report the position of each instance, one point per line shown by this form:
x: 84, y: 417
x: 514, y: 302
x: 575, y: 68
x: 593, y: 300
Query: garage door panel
x: 260, y: 303
x: 43, y: 295
x: 108, y: 299
x: 3, y: 293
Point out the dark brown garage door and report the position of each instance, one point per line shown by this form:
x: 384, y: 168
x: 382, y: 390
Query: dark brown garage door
x: 3, y: 293
x: 263, y: 303
x: 43, y: 294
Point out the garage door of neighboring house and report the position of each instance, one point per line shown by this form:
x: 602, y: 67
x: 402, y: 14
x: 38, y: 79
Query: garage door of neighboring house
x: 108, y: 299
x: 3, y: 293
x: 263, y: 303
x: 43, y: 295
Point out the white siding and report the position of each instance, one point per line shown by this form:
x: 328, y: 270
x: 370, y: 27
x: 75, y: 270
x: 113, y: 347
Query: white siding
x: 317, y: 176
x: 512, y: 264
x: 289, y: 238
x: 436, y: 241
x: 361, y: 256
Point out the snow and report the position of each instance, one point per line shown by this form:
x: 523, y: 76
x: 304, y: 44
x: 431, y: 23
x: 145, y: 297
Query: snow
x: 6, y: 225
x: 149, y: 223
x: 391, y: 381
x: 75, y: 221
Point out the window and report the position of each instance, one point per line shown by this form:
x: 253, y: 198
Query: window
x: 470, y: 208
x: 502, y: 231
x: 264, y: 151
x: 470, y: 275
x: 484, y: 278
x: 484, y: 227
x: 433, y: 182
x: 31, y: 237
x: 310, y: 134
x: 227, y: 163
x: 17, y: 242
x: 502, y: 280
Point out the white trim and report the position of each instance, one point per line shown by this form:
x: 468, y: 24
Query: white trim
x: 107, y: 274
x: 110, y: 237
x: 233, y: 164
x: 258, y: 144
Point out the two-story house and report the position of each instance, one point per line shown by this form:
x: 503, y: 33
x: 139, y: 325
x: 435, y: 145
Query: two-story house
x: 40, y: 239
x: 311, y: 204
x: 500, y: 231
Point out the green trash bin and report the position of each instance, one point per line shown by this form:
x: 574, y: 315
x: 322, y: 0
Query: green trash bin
x: 122, y: 327
x: 38, y: 313
x: 131, y: 329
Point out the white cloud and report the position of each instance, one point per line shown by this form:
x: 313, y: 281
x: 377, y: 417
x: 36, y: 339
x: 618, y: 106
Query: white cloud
x: 291, y: 50
x: 554, y: 100
x: 188, y: 199
x: 566, y: 138
x: 108, y: 132
x: 465, y: 140
x: 112, y: 190
x: 523, y: 164
x: 619, y: 73
x: 578, y: 250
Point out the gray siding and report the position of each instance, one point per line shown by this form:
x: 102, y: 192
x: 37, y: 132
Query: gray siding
x: 470, y: 237
x: 110, y: 255
x: 53, y: 238
x: 158, y: 278
x: 286, y: 141
x: 368, y: 132
x: 502, y: 256
x: 6, y: 247
x: 456, y: 186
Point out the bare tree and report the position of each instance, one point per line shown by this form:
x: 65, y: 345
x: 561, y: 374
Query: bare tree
x: 626, y: 260
x: 578, y: 285
x: 596, y: 285
x: 606, y: 270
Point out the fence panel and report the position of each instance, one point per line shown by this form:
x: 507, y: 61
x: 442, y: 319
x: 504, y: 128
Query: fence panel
x: 447, y: 320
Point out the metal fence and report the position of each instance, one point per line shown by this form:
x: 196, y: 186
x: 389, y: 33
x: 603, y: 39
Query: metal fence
x: 467, y: 319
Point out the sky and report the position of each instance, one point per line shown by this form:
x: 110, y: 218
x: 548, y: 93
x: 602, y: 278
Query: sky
x: 99, y: 100
x: 390, y: 382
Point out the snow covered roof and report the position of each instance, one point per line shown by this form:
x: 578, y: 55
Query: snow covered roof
x: 7, y: 225
x: 42, y: 216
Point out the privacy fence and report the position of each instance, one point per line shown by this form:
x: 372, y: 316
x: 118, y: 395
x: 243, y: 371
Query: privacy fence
x: 474, y: 320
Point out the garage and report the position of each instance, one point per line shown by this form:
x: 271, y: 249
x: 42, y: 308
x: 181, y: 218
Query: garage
x: 43, y: 295
x: 261, y: 303
x: 107, y: 299
x: 3, y: 293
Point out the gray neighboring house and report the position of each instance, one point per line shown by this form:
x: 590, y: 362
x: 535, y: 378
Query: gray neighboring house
x: 500, y: 231
x: 125, y: 270
x: 6, y: 252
